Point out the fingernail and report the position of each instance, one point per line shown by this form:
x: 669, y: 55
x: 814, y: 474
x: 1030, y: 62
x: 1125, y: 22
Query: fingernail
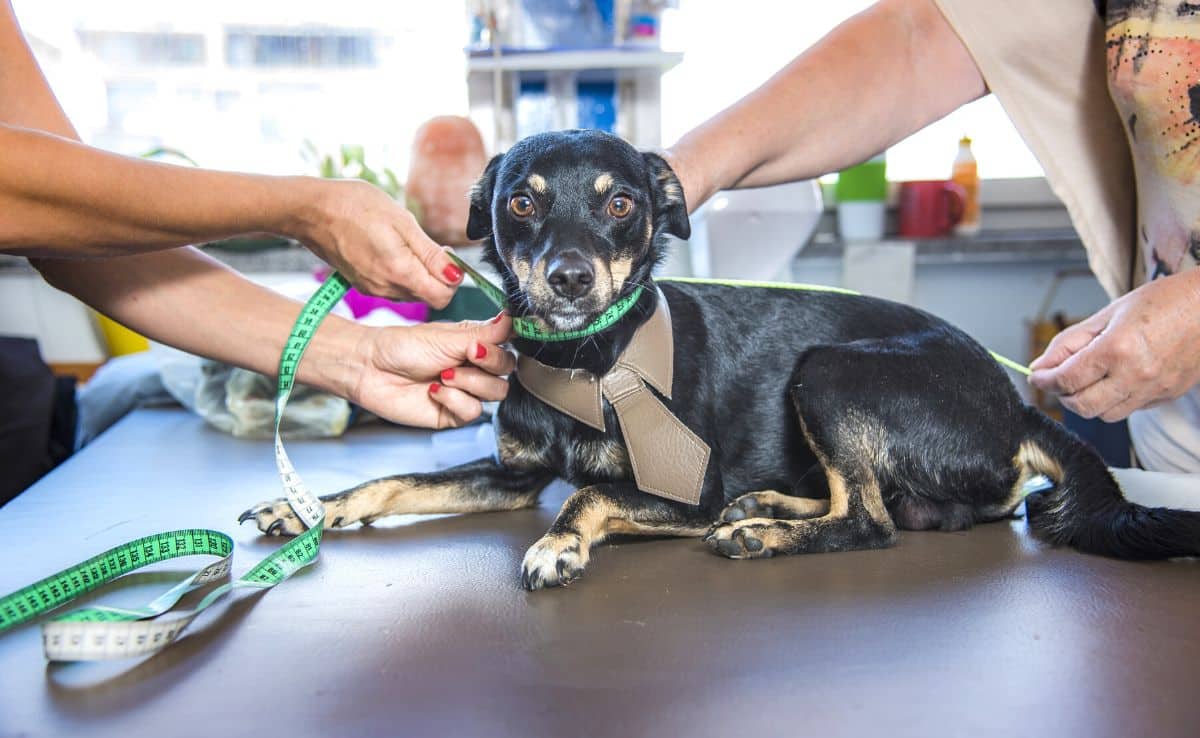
x: 447, y: 375
x: 433, y: 388
x: 480, y: 351
x: 499, y: 317
x: 453, y: 273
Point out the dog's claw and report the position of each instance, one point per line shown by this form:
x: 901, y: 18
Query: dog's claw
x: 245, y: 516
x: 274, y: 528
x: 729, y: 548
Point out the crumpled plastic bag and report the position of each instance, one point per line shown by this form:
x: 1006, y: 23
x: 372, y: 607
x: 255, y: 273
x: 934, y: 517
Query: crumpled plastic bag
x: 242, y: 403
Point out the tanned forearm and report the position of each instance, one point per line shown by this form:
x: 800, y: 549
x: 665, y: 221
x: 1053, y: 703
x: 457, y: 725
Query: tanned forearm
x: 875, y: 79
x: 188, y: 300
x: 57, y: 194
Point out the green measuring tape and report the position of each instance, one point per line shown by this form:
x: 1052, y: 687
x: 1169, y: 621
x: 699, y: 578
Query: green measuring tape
x: 111, y: 632
x: 527, y: 328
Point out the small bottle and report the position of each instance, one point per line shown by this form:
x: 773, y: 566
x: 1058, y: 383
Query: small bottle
x: 966, y: 175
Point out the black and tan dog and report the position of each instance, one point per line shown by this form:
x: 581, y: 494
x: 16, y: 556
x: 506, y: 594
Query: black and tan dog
x: 833, y: 419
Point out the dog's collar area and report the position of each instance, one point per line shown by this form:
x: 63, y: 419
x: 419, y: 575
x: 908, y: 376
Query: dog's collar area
x: 667, y: 458
x: 531, y: 329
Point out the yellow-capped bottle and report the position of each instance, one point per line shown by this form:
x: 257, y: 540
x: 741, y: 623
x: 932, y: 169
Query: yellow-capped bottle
x: 966, y: 175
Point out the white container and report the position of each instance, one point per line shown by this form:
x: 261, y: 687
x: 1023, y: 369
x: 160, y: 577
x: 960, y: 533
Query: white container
x: 861, y: 221
x: 754, y: 233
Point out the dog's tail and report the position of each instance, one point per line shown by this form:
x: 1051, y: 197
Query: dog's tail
x: 1086, y: 510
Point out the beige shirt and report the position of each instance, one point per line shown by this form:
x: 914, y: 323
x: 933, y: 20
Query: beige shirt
x: 1049, y: 64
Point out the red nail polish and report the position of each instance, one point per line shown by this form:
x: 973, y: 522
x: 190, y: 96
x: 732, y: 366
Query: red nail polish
x: 453, y: 273
x: 498, y: 318
x: 480, y: 351
x: 433, y: 388
x: 447, y: 375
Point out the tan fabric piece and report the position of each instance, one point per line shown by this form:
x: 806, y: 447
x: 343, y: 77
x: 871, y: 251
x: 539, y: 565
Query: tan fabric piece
x: 1045, y: 63
x: 668, y: 459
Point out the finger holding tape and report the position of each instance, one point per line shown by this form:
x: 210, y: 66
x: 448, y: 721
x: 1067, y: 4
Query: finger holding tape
x: 483, y: 385
x: 456, y: 407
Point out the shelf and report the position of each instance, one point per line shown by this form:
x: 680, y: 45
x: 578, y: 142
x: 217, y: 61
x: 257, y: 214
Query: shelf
x: 556, y: 60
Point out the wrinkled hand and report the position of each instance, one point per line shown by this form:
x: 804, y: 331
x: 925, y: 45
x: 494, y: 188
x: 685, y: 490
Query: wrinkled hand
x: 1143, y: 349
x: 375, y: 242
x: 434, y: 375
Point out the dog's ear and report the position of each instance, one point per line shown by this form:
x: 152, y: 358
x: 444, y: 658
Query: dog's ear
x: 670, y: 210
x: 479, y: 221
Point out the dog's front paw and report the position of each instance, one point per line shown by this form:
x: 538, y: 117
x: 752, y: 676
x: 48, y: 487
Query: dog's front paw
x: 747, y: 539
x: 554, y: 560
x: 274, y: 518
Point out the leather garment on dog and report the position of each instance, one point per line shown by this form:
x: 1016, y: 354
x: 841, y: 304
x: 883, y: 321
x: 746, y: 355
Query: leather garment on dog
x: 668, y: 459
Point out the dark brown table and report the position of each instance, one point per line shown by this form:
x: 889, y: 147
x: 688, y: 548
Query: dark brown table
x: 419, y: 625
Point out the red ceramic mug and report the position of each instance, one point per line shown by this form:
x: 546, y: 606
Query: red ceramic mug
x: 930, y: 208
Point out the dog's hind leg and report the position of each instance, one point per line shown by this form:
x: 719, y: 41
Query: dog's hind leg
x: 478, y: 486
x: 594, y: 513
x: 850, y: 446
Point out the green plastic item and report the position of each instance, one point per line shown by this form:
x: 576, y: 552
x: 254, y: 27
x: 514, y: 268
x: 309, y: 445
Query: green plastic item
x: 866, y: 182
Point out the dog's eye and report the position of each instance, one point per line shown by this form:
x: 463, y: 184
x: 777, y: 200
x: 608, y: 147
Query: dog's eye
x: 521, y: 206
x: 620, y: 206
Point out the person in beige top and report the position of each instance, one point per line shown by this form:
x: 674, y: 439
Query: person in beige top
x: 113, y: 231
x: 1122, y: 163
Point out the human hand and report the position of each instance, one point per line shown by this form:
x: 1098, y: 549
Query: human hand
x: 373, y: 241
x: 1142, y: 349
x: 435, y: 375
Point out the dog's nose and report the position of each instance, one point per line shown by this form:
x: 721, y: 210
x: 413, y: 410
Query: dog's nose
x: 570, y: 274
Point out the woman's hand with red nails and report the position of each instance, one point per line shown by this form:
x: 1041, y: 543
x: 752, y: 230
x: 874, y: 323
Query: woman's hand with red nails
x: 431, y: 375
x: 1144, y: 348
x: 372, y: 240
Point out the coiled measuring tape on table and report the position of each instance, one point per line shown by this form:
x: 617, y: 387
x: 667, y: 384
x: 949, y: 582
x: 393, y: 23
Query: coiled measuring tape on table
x: 111, y: 632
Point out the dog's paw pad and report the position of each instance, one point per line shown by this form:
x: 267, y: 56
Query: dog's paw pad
x: 745, y: 507
x: 741, y: 540
x: 274, y: 518
x: 553, y: 561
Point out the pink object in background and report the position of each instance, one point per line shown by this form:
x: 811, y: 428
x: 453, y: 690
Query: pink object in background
x: 361, y: 304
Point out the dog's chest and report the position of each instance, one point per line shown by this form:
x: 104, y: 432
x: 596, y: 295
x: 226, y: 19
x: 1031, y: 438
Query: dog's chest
x: 578, y: 456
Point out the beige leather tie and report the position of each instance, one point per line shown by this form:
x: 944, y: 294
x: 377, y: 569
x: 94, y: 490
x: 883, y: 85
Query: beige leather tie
x: 668, y: 460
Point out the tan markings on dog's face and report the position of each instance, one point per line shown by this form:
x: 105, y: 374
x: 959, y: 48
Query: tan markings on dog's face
x: 522, y: 269
x: 538, y: 183
x: 620, y: 270
x: 602, y: 183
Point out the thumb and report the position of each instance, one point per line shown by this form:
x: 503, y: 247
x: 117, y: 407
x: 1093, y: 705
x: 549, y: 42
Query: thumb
x: 1069, y: 342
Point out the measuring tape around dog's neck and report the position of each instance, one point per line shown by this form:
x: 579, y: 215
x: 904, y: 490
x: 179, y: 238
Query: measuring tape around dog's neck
x: 110, y: 632
x: 531, y: 329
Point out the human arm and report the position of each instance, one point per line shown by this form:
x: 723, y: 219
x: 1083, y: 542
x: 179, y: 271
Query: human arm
x: 875, y: 79
x: 60, y: 198
x: 196, y: 304
x: 1142, y: 349
x: 183, y: 298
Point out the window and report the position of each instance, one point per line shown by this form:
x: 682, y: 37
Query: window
x: 121, y: 47
x: 731, y: 48
x: 268, y: 49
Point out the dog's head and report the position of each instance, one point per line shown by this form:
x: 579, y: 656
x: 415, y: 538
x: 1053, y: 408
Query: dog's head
x: 576, y: 220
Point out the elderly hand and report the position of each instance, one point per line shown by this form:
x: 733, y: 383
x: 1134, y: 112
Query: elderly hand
x: 372, y: 240
x: 1143, y: 349
x: 434, y: 375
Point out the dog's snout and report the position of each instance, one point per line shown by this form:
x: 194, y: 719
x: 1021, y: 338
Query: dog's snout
x: 570, y: 274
